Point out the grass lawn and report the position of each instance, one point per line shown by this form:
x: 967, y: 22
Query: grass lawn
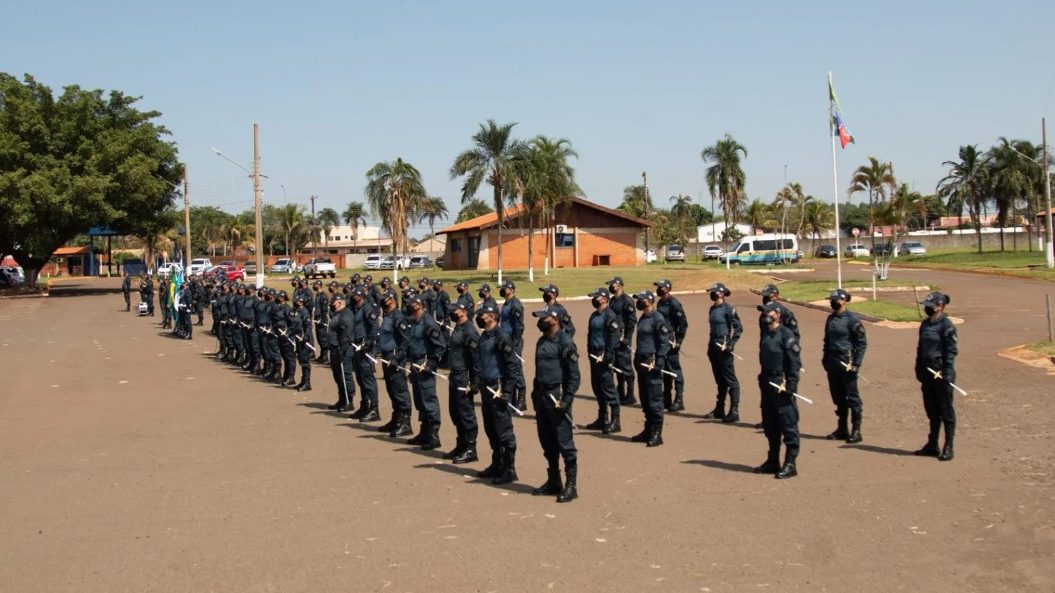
x: 1023, y: 264
x: 571, y: 281
x: 818, y: 290
x: 1042, y: 347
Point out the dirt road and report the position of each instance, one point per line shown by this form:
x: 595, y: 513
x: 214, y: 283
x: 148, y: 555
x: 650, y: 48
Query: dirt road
x: 131, y: 461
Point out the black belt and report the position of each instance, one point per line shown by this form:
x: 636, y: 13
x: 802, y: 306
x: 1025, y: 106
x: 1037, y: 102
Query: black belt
x: 550, y: 385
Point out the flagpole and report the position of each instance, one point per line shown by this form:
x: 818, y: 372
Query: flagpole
x: 835, y: 187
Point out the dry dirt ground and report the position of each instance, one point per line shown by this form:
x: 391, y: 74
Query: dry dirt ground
x: 130, y: 461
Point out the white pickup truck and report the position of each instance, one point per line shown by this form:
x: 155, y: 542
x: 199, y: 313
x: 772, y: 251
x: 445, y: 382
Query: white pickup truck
x: 320, y: 267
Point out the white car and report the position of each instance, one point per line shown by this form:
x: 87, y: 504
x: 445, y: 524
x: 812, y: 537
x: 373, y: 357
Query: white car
x: 856, y: 250
x: 675, y: 253
x: 199, y: 265
x: 320, y: 267
x: 373, y: 262
x: 712, y: 252
x: 165, y: 270
x: 285, y: 266
x: 912, y: 248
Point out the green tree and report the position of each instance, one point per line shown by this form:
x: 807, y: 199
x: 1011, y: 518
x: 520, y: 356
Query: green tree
x: 492, y: 158
x: 354, y: 215
x: 294, y: 225
x: 877, y: 180
x: 898, y: 211
x: 818, y: 218
x: 472, y: 209
x: 966, y: 186
x: 208, y: 224
x: 636, y: 202
x: 394, y: 190
x: 82, y: 159
x: 1014, y: 175
x: 726, y: 179
x: 544, y: 180
x: 432, y: 209
x: 327, y: 220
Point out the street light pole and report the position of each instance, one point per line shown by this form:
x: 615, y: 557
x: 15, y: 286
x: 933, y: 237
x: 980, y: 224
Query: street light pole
x: 258, y: 201
x: 1049, y: 249
x: 186, y: 218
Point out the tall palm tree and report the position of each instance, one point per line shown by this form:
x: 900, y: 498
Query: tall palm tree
x: 544, y: 180
x: 876, y: 179
x: 492, y: 159
x: 966, y: 185
x: 818, y: 217
x: 327, y: 219
x: 636, y: 201
x: 394, y: 190
x: 472, y: 209
x: 725, y: 177
x: 292, y: 220
x: 903, y: 203
x: 1013, y: 178
x: 354, y: 215
x: 760, y: 215
x: 431, y: 210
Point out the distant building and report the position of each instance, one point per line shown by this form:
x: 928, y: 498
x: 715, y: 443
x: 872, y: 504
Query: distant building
x: 712, y: 233
x: 433, y: 245
x: 344, y: 239
x: 584, y: 234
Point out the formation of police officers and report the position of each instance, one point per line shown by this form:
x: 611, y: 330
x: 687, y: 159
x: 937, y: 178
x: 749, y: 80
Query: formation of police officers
x: 413, y: 333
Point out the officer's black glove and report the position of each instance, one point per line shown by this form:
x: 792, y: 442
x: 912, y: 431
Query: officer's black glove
x: 791, y: 388
x: 431, y: 364
x: 661, y: 363
x: 564, y: 404
x: 608, y: 358
x: 948, y: 374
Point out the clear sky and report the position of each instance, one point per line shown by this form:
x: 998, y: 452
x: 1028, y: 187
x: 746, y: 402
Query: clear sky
x: 339, y: 86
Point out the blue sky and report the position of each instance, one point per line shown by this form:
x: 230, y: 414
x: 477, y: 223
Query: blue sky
x: 337, y: 87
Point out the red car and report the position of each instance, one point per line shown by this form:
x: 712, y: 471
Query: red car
x: 232, y: 273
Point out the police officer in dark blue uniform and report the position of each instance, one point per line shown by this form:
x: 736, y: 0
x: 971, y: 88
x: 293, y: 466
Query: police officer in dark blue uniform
x: 844, y: 352
x: 342, y: 354
x: 486, y: 300
x: 186, y: 307
x: 286, y: 323
x: 650, y: 359
x: 623, y: 306
x: 249, y: 328
x: 550, y: 293
x: 463, y: 361
x: 511, y: 321
x: 771, y: 294
x: 496, y: 382
x: 552, y: 394
x: 271, y: 316
x: 392, y: 345
x: 303, y: 340
x: 366, y: 324
x: 603, y: 335
x: 726, y: 330
x: 671, y: 309
x: 443, y: 303
x: 464, y: 298
x: 426, y: 353
x: 778, y: 355
x: 428, y: 298
x: 321, y: 320
x: 936, y: 371
x: 219, y: 314
x: 234, y: 332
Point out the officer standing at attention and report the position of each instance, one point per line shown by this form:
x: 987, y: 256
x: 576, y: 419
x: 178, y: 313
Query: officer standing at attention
x: 771, y: 294
x: 726, y: 330
x: 623, y: 306
x: 486, y: 300
x: 496, y: 382
x: 464, y: 298
x: 936, y: 372
x: 281, y: 347
x: 392, y: 343
x: 443, y: 302
x: 373, y: 294
x: 671, y: 309
x: 653, y: 347
x: 386, y: 289
x: 321, y: 318
x: 428, y: 298
x: 199, y: 299
x: 300, y: 331
x: 342, y: 359
x: 552, y: 395
x: 366, y: 323
x: 126, y: 290
x: 219, y: 318
x: 844, y: 352
x: 186, y: 306
x: 426, y: 353
x: 779, y: 358
x: 146, y: 293
x: 462, y: 355
x: 234, y: 331
x: 163, y: 302
x: 248, y: 323
x: 267, y: 336
x: 603, y: 335
x: 511, y: 322
x: 550, y: 293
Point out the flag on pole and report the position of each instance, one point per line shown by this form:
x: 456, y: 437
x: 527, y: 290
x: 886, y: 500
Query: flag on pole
x: 845, y: 137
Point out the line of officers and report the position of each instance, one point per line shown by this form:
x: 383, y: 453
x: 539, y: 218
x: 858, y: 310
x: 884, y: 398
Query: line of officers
x: 632, y: 341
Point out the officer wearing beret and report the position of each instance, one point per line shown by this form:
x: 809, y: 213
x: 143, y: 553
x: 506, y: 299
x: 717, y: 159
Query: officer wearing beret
x: 623, y: 306
x: 552, y: 394
x: 496, y: 382
x: 392, y: 344
x: 844, y: 352
x: 779, y: 356
x: 726, y: 330
x: 936, y: 371
x: 426, y: 353
x: 342, y: 354
x: 462, y: 352
x: 366, y: 324
x: 650, y: 359
x: 511, y: 322
x: 603, y: 333
x: 550, y: 293
x: 670, y: 307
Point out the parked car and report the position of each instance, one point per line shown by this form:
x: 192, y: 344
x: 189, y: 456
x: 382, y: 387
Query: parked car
x: 165, y: 270
x: 373, y: 261
x: 825, y: 251
x: 439, y: 262
x: 250, y: 267
x: 883, y: 249
x: 712, y: 252
x: 229, y: 263
x: 318, y: 267
x: 390, y: 262
x: 230, y: 273
x: 199, y: 266
x: 11, y: 277
x: 420, y: 261
x: 912, y: 248
x: 856, y: 250
x: 675, y: 253
x: 285, y: 266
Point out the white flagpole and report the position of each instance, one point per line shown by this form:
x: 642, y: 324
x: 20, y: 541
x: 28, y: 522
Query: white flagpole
x: 835, y: 185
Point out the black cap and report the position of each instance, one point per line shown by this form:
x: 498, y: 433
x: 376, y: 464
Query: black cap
x: 769, y: 307
x: 356, y: 276
x: 368, y: 278
x: 646, y: 295
x: 298, y: 298
x: 283, y: 295
x: 485, y: 287
x: 423, y: 280
x: 457, y: 307
x: 412, y: 299
x: 550, y: 288
x: 385, y: 281
x: 508, y: 284
x: 437, y: 283
x: 599, y: 293
x: 317, y: 283
x: 358, y: 292
x: 334, y: 284
x: 487, y: 309
x: 463, y: 284
x: 770, y: 289
x: 342, y: 298
x: 664, y: 283
x: 719, y: 287
x: 617, y: 280
x: 547, y: 312
x: 937, y: 298
x: 405, y: 279
x: 839, y: 293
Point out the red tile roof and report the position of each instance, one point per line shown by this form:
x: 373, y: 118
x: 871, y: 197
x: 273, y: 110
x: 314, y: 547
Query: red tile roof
x: 491, y: 219
x: 65, y: 251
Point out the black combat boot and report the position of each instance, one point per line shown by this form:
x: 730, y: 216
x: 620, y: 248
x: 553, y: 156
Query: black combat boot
x: 679, y: 403
x: 364, y: 407
x: 946, y: 451
x: 509, y: 471
x: 613, y: 422
x: 569, y: 493
x: 459, y: 446
x: 521, y: 403
x: 718, y: 412
x: 422, y: 435
x: 602, y: 419
x: 930, y: 449
x: 390, y: 424
x: 493, y: 469
x: 323, y: 358
x: 841, y: 433
x: 733, y: 415
x: 772, y: 464
x: 642, y: 437
x: 855, y: 433
x: 432, y: 439
x: 668, y: 400
x: 468, y: 454
x: 305, y: 378
x: 402, y: 427
x: 371, y: 414
x: 628, y: 399
x: 552, y: 485
x: 788, y: 471
x: 655, y: 436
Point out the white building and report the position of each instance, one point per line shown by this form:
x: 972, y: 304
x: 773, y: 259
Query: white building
x: 712, y: 233
x: 344, y: 239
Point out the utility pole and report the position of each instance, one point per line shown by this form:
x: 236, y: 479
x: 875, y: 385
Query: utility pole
x: 186, y: 219
x: 644, y: 184
x: 258, y: 202
x: 314, y: 239
x: 1049, y: 249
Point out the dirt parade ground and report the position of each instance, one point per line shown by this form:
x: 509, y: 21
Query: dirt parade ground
x: 132, y: 461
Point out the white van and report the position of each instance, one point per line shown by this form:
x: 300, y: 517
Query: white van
x: 770, y: 248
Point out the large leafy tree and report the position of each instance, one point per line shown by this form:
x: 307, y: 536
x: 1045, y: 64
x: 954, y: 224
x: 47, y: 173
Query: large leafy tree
x: 82, y: 159
x: 726, y: 179
x: 817, y: 218
x: 294, y: 225
x: 636, y: 202
x: 394, y: 191
x: 492, y: 158
x: 966, y: 185
x: 877, y: 180
x: 208, y: 228
x: 472, y: 209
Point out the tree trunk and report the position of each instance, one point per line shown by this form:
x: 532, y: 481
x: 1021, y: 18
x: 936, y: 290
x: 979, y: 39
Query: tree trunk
x: 531, y: 246
x: 501, y: 221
